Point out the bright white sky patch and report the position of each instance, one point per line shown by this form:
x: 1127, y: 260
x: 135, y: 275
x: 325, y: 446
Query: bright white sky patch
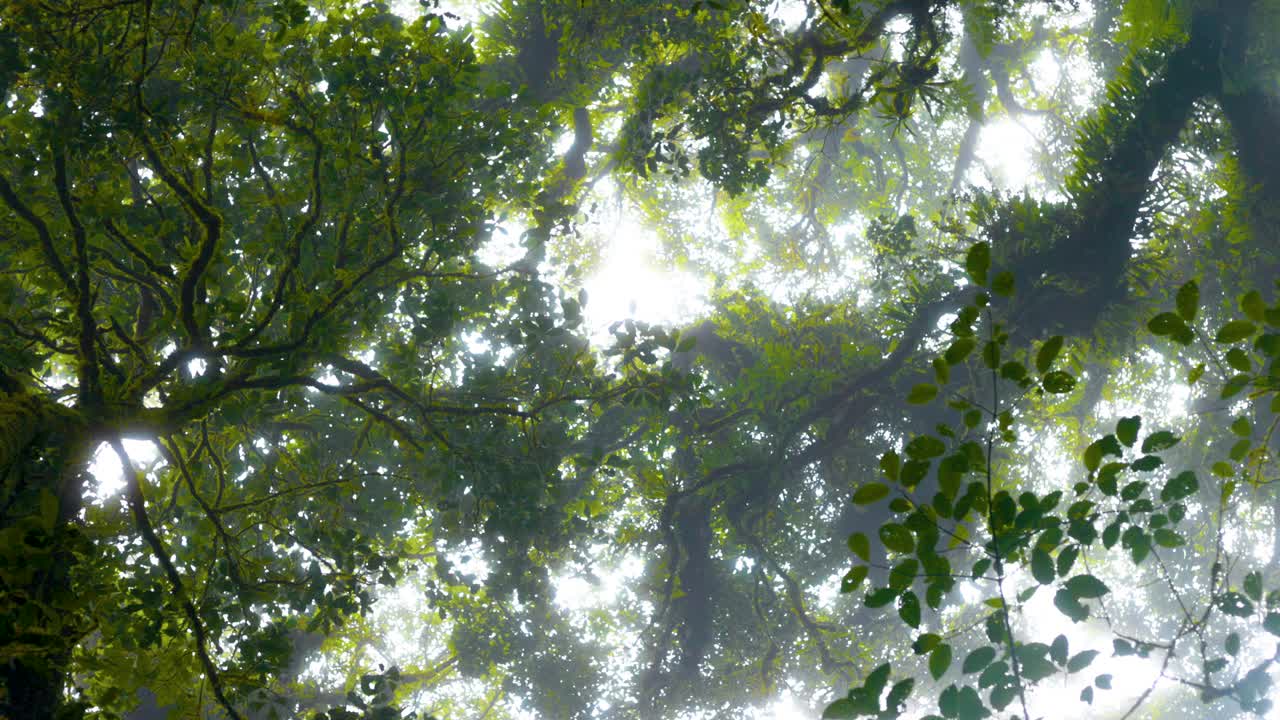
x: 784, y: 708
x: 106, y: 470
x: 1007, y: 147
x: 788, y: 12
x: 631, y: 283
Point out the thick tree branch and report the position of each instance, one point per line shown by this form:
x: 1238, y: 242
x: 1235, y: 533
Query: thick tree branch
x: 138, y: 505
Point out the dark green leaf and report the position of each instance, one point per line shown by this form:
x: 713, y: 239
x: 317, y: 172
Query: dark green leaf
x: 959, y: 350
x: 1179, y: 487
x: 860, y: 546
x: 853, y: 579
x: 896, y: 701
x: 1188, y: 300
x: 1157, y: 441
x: 1253, y: 306
x: 880, y: 597
x: 922, y: 393
x: 1081, y: 660
x: 890, y: 464
x: 1233, y: 603
x: 1253, y: 586
x: 909, y: 609
x: 1042, y: 568
x: 897, y: 538
x: 1271, y: 623
x: 1058, y: 650
x: 978, y: 659
x: 1047, y: 353
x: 1069, y: 605
x: 1058, y: 382
x: 1166, y: 324
x: 1067, y: 559
x: 1235, y: 331
x: 842, y: 709
x: 1127, y: 430
x: 1168, y: 538
x: 925, y: 643
x: 869, y: 493
x: 1086, y: 587
x: 939, y: 661
x: 924, y: 447
x: 977, y: 262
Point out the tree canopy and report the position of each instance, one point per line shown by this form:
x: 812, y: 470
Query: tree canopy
x: 948, y: 386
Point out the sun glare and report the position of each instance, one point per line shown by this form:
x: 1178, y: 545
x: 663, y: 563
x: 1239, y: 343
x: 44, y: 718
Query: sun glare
x: 107, y: 473
x: 1006, y: 147
x: 631, y: 283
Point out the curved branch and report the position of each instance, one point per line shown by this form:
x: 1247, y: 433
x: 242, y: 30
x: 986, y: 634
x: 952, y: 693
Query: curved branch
x: 138, y: 506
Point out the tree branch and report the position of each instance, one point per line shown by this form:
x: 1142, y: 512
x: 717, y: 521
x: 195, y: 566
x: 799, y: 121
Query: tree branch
x: 138, y: 506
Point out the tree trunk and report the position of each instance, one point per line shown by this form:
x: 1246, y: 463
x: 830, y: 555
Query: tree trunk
x: 42, y: 461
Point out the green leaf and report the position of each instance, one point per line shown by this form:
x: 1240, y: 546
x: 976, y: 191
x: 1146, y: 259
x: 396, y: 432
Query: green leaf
x: 1232, y: 644
x: 909, y: 609
x: 1047, y: 353
x: 1235, y: 604
x: 1167, y: 324
x: 922, y: 393
x: 1253, y: 306
x: 880, y: 597
x: 1272, y: 623
x: 1103, y: 681
x: 977, y: 262
x: 1058, y: 382
x: 1157, y: 441
x: 1239, y: 360
x: 1235, y: 331
x: 1234, y: 385
x: 939, y: 661
x: 903, y: 574
x: 1179, y: 487
x: 941, y: 371
x: 890, y: 464
x: 897, y: 538
x: 869, y: 493
x: 1057, y: 650
x: 1086, y: 587
x: 842, y: 709
x: 978, y: 659
x: 1067, y: 559
x: 995, y: 674
x: 1167, y: 538
x: 1042, y: 566
x: 1081, y: 660
x: 1002, y: 284
x: 959, y: 350
x: 1127, y: 430
x: 853, y: 579
x: 1188, y: 300
x: 1146, y: 463
x: 1196, y: 373
x: 1253, y: 586
x: 924, y: 447
x: 896, y: 701
x: 1002, y: 696
x: 925, y: 643
x: 860, y: 546
x: 1242, y: 427
x: 48, y: 509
